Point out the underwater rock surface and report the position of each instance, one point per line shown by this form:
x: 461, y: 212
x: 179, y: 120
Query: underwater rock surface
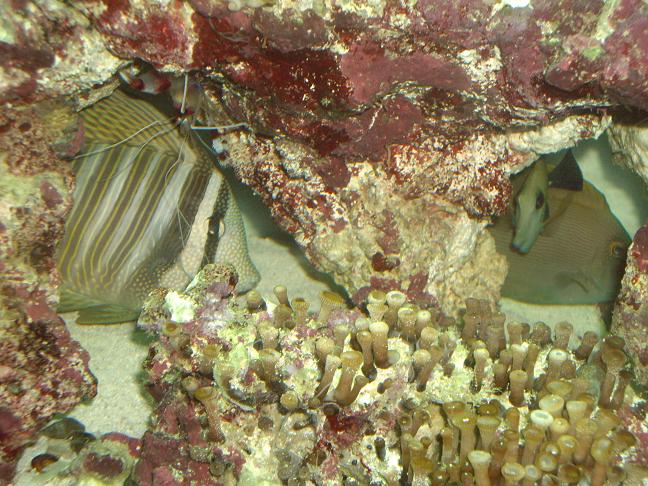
x: 48, y: 49
x: 630, y: 146
x: 42, y: 370
x: 630, y: 318
x: 374, y: 118
x: 66, y: 454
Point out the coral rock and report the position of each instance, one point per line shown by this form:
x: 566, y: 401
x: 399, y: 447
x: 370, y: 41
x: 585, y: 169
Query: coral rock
x: 630, y: 319
x: 248, y: 393
x: 43, y: 370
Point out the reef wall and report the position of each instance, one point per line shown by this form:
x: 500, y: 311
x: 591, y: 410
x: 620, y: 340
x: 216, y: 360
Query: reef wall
x: 42, y: 370
x: 631, y: 313
x: 382, y: 134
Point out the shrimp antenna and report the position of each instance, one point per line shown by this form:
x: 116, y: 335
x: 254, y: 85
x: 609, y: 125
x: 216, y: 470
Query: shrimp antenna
x: 117, y: 144
x: 184, y: 94
x: 222, y: 127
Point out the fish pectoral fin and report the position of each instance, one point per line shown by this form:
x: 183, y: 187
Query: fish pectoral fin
x: 565, y: 279
x: 567, y: 174
x: 106, y: 314
x: 70, y: 301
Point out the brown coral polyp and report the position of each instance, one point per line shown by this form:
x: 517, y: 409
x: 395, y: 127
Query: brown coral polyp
x: 208, y: 397
x: 481, y: 402
x: 329, y: 301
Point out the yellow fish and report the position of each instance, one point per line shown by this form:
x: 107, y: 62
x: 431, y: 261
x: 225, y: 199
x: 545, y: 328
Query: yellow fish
x: 578, y: 257
x: 150, y: 210
x: 531, y: 208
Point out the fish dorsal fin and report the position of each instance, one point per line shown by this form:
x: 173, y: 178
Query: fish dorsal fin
x: 567, y: 174
x: 120, y: 117
x: 106, y: 314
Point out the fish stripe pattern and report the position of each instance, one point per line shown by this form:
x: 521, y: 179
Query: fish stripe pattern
x: 135, y: 214
x: 148, y: 206
x: 120, y: 117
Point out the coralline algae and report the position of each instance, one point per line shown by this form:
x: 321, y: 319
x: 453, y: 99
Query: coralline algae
x: 421, y: 93
x: 43, y: 371
x: 631, y: 311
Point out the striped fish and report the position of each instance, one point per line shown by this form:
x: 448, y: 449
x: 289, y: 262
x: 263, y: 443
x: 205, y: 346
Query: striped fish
x: 150, y: 210
x: 578, y: 258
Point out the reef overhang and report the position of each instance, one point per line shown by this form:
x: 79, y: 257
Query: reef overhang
x: 383, y: 135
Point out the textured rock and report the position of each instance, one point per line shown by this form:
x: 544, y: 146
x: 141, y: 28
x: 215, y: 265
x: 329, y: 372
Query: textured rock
x: 433, y: 103
x: 630, y: 318
x: 43, y: 371
x: 70, y: 458
x: 49, y: 49
x: 630, y: 146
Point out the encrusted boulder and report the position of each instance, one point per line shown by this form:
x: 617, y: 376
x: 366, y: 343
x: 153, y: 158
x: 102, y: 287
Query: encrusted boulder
x: 42, y: 370
x: 631, y: 314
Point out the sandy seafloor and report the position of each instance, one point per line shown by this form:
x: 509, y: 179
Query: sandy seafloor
x: 117, y: 352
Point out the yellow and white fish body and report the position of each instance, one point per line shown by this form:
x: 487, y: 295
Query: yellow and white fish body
x: 577, y: 259
x: 150, y: 210
x: 530, y: 207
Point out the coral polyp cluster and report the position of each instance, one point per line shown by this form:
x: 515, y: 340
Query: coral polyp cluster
x: 250, y: 390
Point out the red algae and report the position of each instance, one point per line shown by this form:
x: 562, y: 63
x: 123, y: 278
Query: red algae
x: 304, y: 77
x: 213, y: 45
x: 104, y: 465
x: 395, y: 120
x: 114, y: 10
x: 640, y: 249
x: 371, y: 71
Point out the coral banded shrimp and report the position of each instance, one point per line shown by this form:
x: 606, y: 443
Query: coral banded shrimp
x: 150, y: 207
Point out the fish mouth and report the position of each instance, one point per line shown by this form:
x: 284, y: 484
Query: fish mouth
x: 520, y: 248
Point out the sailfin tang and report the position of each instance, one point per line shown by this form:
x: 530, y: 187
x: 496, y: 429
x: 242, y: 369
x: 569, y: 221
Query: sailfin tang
x: 232, y: 244
x: 92, y: 311
x: 120, y: 118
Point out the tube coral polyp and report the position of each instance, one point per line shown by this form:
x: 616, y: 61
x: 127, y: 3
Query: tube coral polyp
x: 465, y: 402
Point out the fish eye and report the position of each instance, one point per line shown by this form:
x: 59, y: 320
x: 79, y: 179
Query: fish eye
x: 539, y: 200
x: 617, y: 249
